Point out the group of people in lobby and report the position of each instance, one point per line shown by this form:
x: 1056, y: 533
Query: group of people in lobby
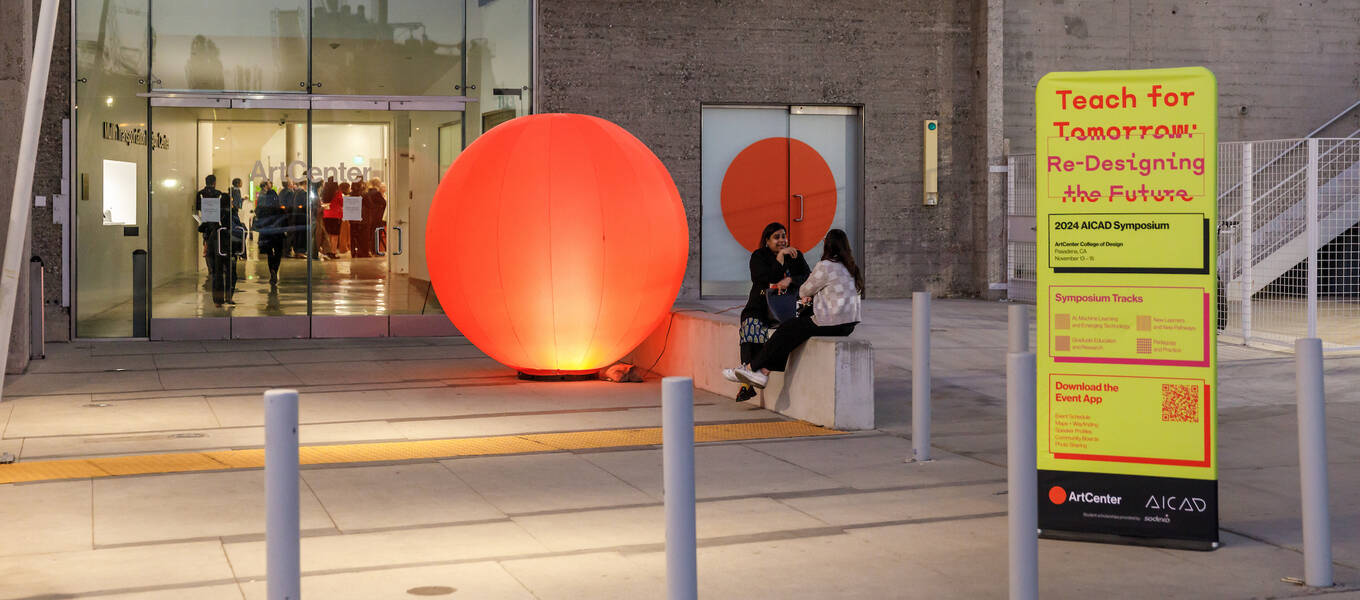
x: 283, y: 219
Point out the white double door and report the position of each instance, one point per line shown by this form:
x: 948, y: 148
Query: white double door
x: 799, y: 166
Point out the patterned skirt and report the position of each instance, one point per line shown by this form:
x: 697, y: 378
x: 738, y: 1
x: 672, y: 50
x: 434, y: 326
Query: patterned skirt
x: 753, y: 331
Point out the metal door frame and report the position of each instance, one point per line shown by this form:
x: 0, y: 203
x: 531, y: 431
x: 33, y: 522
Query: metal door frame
x: 792, y: 109
x: 309, y: 325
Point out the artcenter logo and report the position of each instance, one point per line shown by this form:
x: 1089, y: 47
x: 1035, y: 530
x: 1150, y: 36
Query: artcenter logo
x: 1058, y: 495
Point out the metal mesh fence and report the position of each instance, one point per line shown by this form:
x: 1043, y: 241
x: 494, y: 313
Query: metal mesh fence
x: 1277, y: 290
x: 1021, y: 261
x: 1338, y: 228
x: 1230, y: 235
x: 1278, y: 201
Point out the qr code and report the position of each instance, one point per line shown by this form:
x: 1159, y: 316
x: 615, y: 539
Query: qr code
x: 1180, y: 403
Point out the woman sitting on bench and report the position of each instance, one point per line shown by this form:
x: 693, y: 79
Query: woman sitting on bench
x: 833, y: 290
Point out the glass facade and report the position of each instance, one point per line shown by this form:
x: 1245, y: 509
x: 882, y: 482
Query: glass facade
x: 111, y: 57
x: 410, y: 48
x: 499, y: 66
x: 248, y: 45
x: 254, y: 93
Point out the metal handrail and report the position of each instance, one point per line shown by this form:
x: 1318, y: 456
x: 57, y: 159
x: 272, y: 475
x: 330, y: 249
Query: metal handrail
x: 1293, y: 183
x: 1297, y: 144
x: 1333, y: 119
x: 1286, y: 179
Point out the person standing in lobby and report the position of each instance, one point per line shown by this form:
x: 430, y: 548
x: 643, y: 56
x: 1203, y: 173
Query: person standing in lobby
x: 297, y: 220
x: 271, y: 220
x: 344, y: 243
x: 321, y: 243
x: 237, y: 199
x: 375, y: 207
x: 360, y: 233
x: 216, y: 225
x: 334, y: 203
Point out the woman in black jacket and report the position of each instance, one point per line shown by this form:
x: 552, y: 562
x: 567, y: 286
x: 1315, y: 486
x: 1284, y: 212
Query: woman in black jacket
x: 775, y: 265
x: 271, y: 222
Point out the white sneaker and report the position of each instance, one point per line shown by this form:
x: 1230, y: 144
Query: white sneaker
x: 755, y: 378
x: 730, y: 375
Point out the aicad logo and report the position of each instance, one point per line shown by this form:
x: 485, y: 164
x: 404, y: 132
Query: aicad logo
x: 1176, y: 503
x: 1058, y: 495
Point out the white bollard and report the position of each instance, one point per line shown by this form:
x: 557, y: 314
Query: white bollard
x: 920, y: 376
x: 1018, y: 319
x: 677, y: 433
x: 1317, y: 534
x: 1022, y: 477
x: 282, y: 544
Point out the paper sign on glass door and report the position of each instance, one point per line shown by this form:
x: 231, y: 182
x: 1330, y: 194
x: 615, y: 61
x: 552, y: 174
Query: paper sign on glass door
x: 353, y: 208
x: 209, y: 210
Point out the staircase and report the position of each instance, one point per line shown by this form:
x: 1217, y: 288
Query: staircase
x: 1279, y: 206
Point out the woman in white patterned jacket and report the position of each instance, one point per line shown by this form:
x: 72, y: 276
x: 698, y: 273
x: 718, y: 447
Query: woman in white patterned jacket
x: 834, y: 290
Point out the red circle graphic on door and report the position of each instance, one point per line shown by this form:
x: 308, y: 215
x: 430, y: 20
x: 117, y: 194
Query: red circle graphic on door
x: 780, y: 180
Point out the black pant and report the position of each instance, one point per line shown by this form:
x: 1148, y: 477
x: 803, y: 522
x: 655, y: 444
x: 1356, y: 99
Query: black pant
x: 273, y: 250
x: 775, y: 355
x: 223, y: 277
x: 749, y: 350
x: 297, y: 223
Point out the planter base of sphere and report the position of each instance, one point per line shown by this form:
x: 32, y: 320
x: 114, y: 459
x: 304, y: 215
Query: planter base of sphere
x: 528, y: 375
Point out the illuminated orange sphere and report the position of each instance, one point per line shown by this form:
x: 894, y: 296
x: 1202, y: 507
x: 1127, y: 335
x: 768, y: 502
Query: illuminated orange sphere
x: 557, y: 243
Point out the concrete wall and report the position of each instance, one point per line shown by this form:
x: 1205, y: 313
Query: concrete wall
x: 16, y: 53
x: 45, y: 234
x: 649, y: 65
x: 1283, y: 68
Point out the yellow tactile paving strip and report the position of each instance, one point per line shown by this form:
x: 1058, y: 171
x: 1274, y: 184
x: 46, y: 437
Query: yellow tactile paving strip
x: 217, y: 460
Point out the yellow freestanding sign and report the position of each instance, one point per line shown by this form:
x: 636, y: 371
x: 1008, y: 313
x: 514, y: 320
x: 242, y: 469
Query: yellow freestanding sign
x: 1127, y: 208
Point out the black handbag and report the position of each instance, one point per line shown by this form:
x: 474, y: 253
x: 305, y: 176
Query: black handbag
x: 782, y: 305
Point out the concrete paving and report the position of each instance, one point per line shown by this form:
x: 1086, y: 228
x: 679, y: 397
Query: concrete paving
x: 841, y: 517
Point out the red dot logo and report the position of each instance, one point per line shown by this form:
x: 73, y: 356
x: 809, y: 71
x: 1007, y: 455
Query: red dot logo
x: 1057, y: 495
x: 781, y: 180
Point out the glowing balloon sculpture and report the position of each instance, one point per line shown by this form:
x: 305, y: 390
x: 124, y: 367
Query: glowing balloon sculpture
x: 557, y: 243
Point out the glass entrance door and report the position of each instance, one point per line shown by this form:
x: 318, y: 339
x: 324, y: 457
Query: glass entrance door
x: 824, y: 176
x: 313, y: 224
x: 380, y: 172
x: 228, y: 224
x: 793, y: 165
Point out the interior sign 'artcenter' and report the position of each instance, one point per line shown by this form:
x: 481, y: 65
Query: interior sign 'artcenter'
x: 1126, y: 202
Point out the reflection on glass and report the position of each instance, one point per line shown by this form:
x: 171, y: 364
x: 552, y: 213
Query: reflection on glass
x: 352, y: 162
x: 111, y: 55
x: 248, y: 45
x: 450, y: 145
x: 387, y: 47
x: 374, y: 260
x: 251, y: 155
x: 498, y: 65
x: 380, y: 47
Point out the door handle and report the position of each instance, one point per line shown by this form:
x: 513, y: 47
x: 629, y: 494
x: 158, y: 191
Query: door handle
x: 220, y: 251
x: 800, y: 208
x: 401, y: 242
x: 377, y: 240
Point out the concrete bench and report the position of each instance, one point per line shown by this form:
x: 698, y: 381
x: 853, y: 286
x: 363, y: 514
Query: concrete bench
x: 829, y: 381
